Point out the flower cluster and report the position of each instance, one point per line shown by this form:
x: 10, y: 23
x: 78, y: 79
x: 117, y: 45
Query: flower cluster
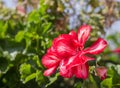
x: 67, y: 52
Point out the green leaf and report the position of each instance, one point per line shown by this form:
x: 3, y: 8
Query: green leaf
x: 52, y: 79
x: 110, y: 72
x: 3, y: 29
x: 46, y: 27
x: 89, y: 83
x: 107, y: 83
x: 30, y: 77
x: 19, y: 36
x: 25, y: 69
x: 118, y: 69
x: 78, y: 85
x: 40, y: 77
x: 93, y: 81
x: 5, y: 65
x: 116, y: 78
x: 34, y: 16
x: 37, y: 61
x: 114, y: 74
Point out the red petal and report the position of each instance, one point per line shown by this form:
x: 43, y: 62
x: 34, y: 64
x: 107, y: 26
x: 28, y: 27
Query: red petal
x: 50, y: 60
x: 71, y: 62
x: 51, y: 50
x: 83, y: 34
x: 75, y: 39
x: 96, y: 47
x: 50, y: 71
x: 73, y: 34
x: 68, y: 66
x: 82, y: 71
x: 65, y: 72
x: 62, y: 37
x: 101, y: 72
x: 77, y: 60
x: 65, y: 48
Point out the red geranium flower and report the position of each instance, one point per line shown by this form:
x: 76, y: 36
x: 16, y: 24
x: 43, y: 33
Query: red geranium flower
x: 101, y: 72
x: 67, y: 52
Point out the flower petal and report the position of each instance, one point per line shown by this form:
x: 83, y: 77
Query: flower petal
x: 72, y: 62
x: 82, y: 71
x: 77, y: 60
x: 50, y: 71
x: 64, y: 71
x: 73, y: 34
x: 65, y: 48
x: 50, y: 60
x: 51, y: 50
x: 83, y: 34
x: 74, y: 39
x: 96, y: 47
x: 62, y: 37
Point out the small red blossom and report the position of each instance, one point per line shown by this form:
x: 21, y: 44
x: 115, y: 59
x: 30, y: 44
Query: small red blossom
x: 67, y: 52
x: 101, y: 72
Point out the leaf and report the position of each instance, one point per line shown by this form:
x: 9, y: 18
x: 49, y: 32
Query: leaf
x: 19, y: 36
x: 93, y: 81
x: 39, y: 77
x: 37, y: 61
x: 46, y: 27
x: 30, y: 77
x: 107, y: 83
x: 78, y: 85
x: 3, y: 29
x: 4, y: 65
x: 52, y: 79
x: 113, y: 72
x: 25, y: 69
x: 118, y: 69
x: 34, y: 16
x: 116, y: 77
x: 27, y: 73
x: 89, y: 83
x: 110, y: 73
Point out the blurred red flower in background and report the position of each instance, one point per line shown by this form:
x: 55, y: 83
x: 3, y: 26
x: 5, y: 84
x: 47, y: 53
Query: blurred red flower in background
x: 116, y: 50
x: 67, y: 52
